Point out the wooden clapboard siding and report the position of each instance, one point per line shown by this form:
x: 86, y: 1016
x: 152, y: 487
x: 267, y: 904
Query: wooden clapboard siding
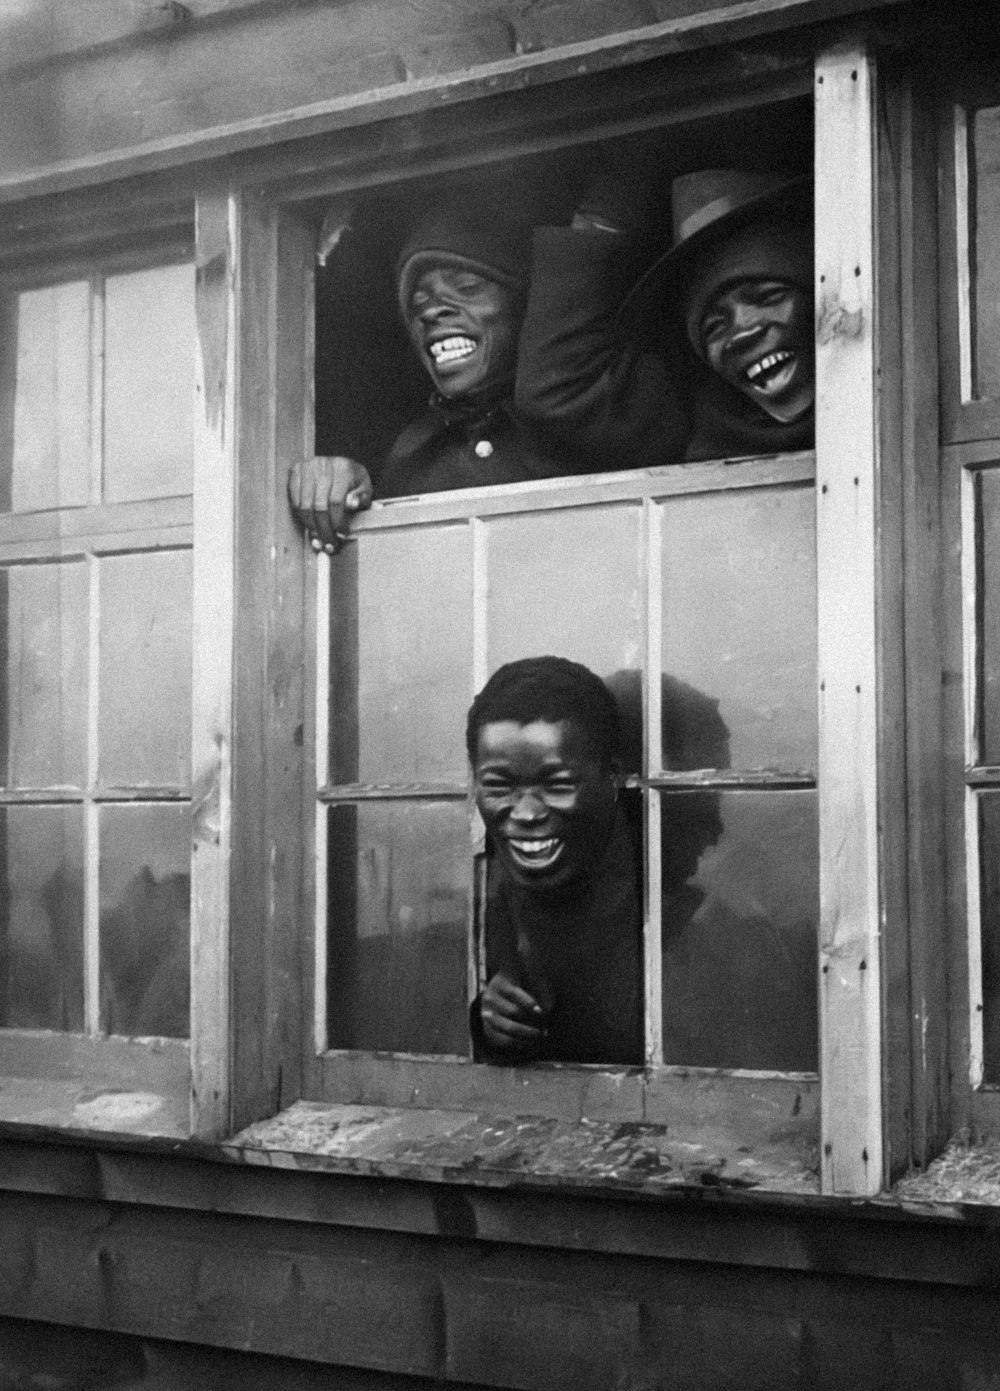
x: 170, y: 83
x: 847, y: 511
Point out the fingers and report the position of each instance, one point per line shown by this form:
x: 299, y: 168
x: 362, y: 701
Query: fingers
x: 511, y: 1017
x: 323, y: 493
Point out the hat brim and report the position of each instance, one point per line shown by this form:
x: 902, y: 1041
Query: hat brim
x: 661, y: 279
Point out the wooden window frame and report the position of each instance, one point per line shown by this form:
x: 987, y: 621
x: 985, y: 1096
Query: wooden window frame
x: 255, y: 622
x: 42, y: 1067
x: 964, y: 418
x: 865, y: 914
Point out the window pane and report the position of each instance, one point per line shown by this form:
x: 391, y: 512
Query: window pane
x: 43, y: 646
x: 985, y: 250
x: 145, y: 899
x: 989, y: 907
x: 45, y: 387
x: 145, y: 669
x: 41, y: 911
x: 989, y: 638
x: 566, y: 583
x: 739, y: 617
x: 401, y: 665
x: 740, y: 929
x: 400, y: 880
x: 149, y: 337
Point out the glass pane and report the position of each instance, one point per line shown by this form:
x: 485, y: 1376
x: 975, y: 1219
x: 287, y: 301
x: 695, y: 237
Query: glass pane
x: 41, y: 912
x: 400, y: 879
x: 401, y: 660
x: 985, y: 250
x: 45, y: 378
x: 989, y: 638
x: 989, y: 907
x: 145, y: 669
x: 145, y: 904
x: 566, y: 583
x: 149, y: 337
x: 739, y: 617
x: 43, y: 648
x: 740, y: 929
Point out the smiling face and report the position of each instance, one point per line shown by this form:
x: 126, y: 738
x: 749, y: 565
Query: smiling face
x: 757, y: 334
x: 464, y: 328
x: 546, y: 798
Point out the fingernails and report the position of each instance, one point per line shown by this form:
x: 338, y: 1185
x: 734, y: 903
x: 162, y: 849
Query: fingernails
x: 330, y: 548
x: 316, y: 544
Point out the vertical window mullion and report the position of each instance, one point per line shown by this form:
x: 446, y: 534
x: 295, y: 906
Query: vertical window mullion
x: 651, y: 560
x: 847, y: 520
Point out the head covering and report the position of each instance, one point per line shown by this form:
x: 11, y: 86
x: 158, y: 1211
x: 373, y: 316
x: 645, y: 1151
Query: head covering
x: 493, y: 243
x: 728, y: 224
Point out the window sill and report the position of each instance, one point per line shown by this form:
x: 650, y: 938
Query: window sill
x: 77, y: 1106
x: 520, y: 1151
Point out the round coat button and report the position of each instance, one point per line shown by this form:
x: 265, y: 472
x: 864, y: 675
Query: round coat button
x: 483, y: 449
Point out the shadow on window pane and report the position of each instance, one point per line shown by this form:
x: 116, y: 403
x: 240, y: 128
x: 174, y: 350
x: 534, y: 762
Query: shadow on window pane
x: 399, y: 894
x: 41, y: 918
x: 145, y: 928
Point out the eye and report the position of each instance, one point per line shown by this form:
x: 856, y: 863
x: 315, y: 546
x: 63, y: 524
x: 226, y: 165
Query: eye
x: 561, y: 782
x: 771, y: 292
x: 493, y: 785
x: 712, y: 325
x: 469, y: 283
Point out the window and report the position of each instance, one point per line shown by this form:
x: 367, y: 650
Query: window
x: 95, y: 577
x: 315, y: 770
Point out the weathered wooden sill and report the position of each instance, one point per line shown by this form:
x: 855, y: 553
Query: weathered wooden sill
x: 516, y: 1151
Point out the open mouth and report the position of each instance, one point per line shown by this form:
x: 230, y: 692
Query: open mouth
x: 445, y: 351
x: 535, y: 855
x: 772, y: 374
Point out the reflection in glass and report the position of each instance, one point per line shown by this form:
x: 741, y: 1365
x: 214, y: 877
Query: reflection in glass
x: 401, y: 665
x: 565, y: 583
x: 45, y: 376
x: 43, y: 695
x: 400, y: 879
x: 145, y: 926
x: 145, y: 669
x: 149, y: 337
x: 739, y: 617
x: 988, y: 483
x: 985, y: 250
x: 41, y: 917
x: 740, y: 929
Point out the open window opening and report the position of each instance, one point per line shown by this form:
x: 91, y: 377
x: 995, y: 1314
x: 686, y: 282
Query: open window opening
x: 689, y: 588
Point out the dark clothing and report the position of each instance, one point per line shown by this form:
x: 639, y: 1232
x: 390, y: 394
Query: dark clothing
x: 579, y: 952
x: 582, y: 403
x: 439, y: 451
x: 593, y: 388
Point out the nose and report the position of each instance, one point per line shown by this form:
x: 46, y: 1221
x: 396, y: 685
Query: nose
x: 434, y: 310
x: 528, y: 808
x: 745, y: 325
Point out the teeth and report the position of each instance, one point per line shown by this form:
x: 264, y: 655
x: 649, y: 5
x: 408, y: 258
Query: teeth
x: 451, y: 349
x: 766, y: 363
x: 535, y: 849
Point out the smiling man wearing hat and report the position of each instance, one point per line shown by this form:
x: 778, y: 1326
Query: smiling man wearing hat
x: 737, y: 280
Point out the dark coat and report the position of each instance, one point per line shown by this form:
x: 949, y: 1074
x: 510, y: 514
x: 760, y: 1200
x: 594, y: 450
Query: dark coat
x: 581, y: 403
x: 578, y: 952
x: 603, y: 390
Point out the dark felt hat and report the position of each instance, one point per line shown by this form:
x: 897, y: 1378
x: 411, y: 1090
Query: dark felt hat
x: 713, y: 208
x: 488, y: 240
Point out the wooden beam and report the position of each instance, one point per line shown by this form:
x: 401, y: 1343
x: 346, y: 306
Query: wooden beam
x: 846, y: 499
x: 274, y: 367
x: 218, y: 237
x: 231, y: 87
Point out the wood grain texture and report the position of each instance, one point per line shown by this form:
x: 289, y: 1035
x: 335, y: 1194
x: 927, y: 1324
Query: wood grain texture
x: 846, y: 496
x: 219, y: 231
x: 158, y: 92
